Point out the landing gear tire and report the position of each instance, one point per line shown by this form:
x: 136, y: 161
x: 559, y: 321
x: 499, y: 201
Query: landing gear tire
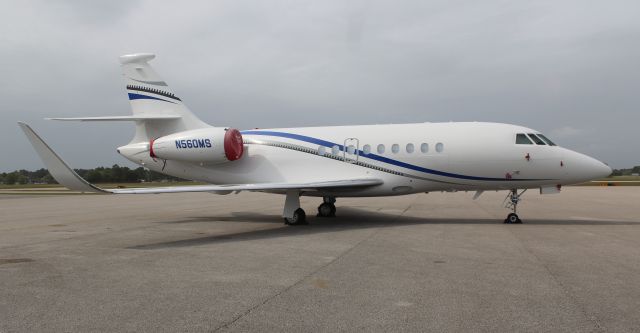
x: 299, y: 217
x: 512, y: 200
x: 327, y: 209
x: 512, y: 218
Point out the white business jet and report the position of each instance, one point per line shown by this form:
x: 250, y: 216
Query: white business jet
x: 327, y: 162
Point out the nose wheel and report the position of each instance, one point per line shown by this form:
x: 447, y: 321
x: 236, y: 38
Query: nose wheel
x: 512, y: 200
x: 512, y: 218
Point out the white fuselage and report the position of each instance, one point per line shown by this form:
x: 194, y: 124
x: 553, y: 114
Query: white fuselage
x: 458, y: 156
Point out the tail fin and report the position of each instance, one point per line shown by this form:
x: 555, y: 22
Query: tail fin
x: 151, y: 97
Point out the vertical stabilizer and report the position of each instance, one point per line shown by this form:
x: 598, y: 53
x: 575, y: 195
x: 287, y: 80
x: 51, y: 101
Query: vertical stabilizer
x: 150, y: 96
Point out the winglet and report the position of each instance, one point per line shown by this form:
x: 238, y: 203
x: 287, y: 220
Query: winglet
x: 57, y: 167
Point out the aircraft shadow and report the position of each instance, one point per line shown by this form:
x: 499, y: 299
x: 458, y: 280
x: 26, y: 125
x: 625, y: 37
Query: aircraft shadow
x: 349, y: 219
x: 252, y: 217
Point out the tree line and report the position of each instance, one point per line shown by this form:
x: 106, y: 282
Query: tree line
x: 114, y: 174
x: 626, y: 172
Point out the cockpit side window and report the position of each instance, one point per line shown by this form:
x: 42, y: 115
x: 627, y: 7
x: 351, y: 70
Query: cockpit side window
x: 536, y: 139
x: 522, y: 139
x: 549, y: 142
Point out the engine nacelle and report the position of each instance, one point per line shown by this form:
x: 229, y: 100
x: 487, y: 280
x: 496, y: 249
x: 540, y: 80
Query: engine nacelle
x: 209, y: 145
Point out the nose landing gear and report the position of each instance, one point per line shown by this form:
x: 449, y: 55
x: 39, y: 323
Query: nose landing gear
x: 511, y: 202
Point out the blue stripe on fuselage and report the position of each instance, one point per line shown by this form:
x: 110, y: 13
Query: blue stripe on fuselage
x: 377, y: 157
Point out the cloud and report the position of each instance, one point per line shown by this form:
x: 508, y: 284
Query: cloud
x: 281, y: 64
x: 565, y: 132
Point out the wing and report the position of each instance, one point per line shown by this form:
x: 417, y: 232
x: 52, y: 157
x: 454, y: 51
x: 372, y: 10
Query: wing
x: 70, y: 179
x: 330, y: 184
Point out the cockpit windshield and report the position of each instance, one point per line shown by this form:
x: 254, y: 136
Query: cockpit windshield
x: 531, y: 138
x: 536, y: 139
x: 522, y: 139
x: 549, y: 142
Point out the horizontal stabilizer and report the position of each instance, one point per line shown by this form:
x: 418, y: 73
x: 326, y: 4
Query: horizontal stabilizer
x: 121, y: 118
x: 70, y: 179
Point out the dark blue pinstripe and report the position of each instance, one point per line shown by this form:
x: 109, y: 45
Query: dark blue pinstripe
x: 378, y: 157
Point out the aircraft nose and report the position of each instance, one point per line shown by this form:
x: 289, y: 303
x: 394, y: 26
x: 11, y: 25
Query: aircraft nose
x: 601, y: 170
x: 595, y: 169
x: 585, y: 168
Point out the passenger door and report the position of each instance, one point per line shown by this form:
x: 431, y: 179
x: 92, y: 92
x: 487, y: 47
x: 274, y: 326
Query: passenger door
x: 351, y: 151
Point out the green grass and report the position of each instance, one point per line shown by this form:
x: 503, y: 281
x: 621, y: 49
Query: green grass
x: 19, y: 186
x: 104, y: 185
x: 615, y: 181
x: 622, y: 178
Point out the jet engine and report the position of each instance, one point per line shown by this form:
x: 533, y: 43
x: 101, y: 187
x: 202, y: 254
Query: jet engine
x: 207, y: 145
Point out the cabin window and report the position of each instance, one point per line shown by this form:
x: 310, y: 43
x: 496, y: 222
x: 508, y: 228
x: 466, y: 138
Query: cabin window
x: 351, y: 150
x: 439, y: 147
x: 380, y: 149
x: 410, y: 148
x: 549, y: 142
x: 322, y: 150
x: 366, y: 149
x: 424, y: 148
x: 335, y: 150
x: 536, y: 139
x: 395, y: 148
x: 522, y: 139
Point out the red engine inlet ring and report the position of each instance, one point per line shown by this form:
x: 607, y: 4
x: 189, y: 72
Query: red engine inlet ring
x: 151, y: 153
x: 233, y: 144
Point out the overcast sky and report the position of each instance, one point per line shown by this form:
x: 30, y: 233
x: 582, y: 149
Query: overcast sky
x: 570, y: 69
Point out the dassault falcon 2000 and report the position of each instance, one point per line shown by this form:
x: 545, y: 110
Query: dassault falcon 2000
x: 326, y: 162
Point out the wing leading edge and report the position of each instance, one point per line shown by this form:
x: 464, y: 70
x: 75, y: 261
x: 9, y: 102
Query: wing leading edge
x: 61, y: 171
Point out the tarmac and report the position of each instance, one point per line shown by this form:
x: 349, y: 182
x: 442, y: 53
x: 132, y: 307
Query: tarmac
x: 427, y: 262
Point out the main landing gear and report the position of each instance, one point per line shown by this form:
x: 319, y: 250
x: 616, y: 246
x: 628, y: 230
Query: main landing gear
x: 327, y: 208
x: 299, y: 217
x: 512, y: 200
x: 294, y: 215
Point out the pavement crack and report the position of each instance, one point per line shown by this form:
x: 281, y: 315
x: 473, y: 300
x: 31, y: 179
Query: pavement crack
x: 227, y: 324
